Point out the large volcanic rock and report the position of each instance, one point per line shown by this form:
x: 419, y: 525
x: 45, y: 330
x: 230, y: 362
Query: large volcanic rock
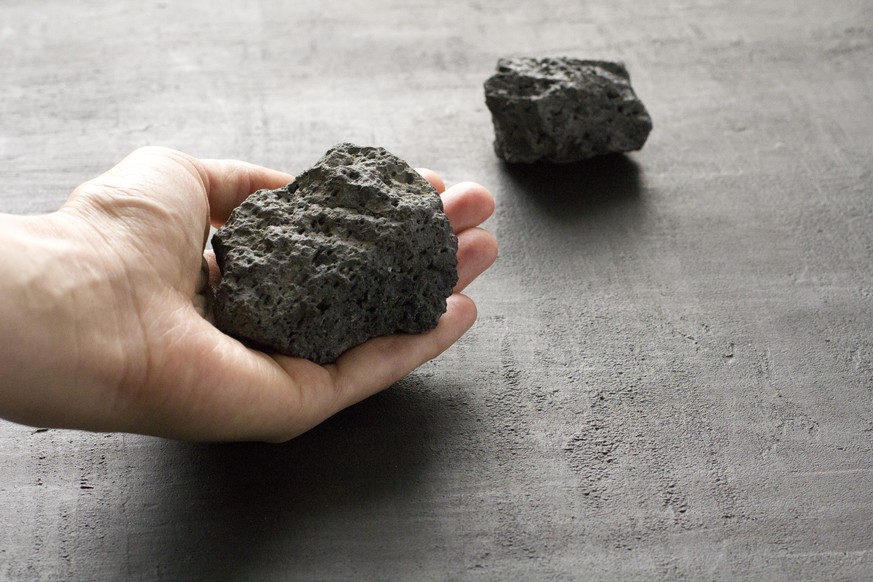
x: 356, y: 247
x: 564, y: 110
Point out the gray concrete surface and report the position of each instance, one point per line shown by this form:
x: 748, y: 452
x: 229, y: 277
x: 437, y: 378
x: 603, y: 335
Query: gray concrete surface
x: 672, y: 375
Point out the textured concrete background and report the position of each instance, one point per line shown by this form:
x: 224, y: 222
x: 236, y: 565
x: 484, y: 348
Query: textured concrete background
x: 672, y: 376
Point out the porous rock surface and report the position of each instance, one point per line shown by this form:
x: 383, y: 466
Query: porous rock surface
x: 564, y: 110
x: 356, y: 247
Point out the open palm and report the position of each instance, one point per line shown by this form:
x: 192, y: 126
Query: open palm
x: 170, y: 372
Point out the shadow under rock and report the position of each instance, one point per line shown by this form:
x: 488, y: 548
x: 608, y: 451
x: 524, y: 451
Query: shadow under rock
x: 237, y: 507
x: 564, y: 192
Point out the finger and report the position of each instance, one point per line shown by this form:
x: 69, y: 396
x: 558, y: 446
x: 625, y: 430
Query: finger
x: 477, y: 250
x: 382, y: 361
x: 467, y: 205
x: 212, y: 264
x: 229, y: 182
x: 433, y: 178
x: 153, y: 173
x: 151, y: 178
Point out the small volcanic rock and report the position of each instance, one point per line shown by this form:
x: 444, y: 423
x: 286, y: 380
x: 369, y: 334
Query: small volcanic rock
x: 356, y: 247
x: 564, y: 110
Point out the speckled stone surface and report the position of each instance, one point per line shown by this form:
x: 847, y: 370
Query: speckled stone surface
x: 357, y: 247
x: 564, y: 110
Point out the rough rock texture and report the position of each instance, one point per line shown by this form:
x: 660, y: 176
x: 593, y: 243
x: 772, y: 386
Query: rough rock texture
x: 357, y: 247
x: 564, y: 110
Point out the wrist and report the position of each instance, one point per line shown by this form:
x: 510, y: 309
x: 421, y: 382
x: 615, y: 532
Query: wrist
x: 49, y: 345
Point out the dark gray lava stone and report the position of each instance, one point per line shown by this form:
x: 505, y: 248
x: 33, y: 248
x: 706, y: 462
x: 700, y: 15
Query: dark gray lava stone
x: 356, y: 247
x: 564, y: 110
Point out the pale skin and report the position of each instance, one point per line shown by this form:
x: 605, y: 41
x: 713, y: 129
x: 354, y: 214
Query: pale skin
x: 102, y: 311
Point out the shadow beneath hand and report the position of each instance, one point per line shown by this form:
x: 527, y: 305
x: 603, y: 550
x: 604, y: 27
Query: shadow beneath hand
x: 237, y: 509
x: 565, y: 192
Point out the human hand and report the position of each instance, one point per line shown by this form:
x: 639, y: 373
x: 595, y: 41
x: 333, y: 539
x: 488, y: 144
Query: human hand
x: 103, y: 312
